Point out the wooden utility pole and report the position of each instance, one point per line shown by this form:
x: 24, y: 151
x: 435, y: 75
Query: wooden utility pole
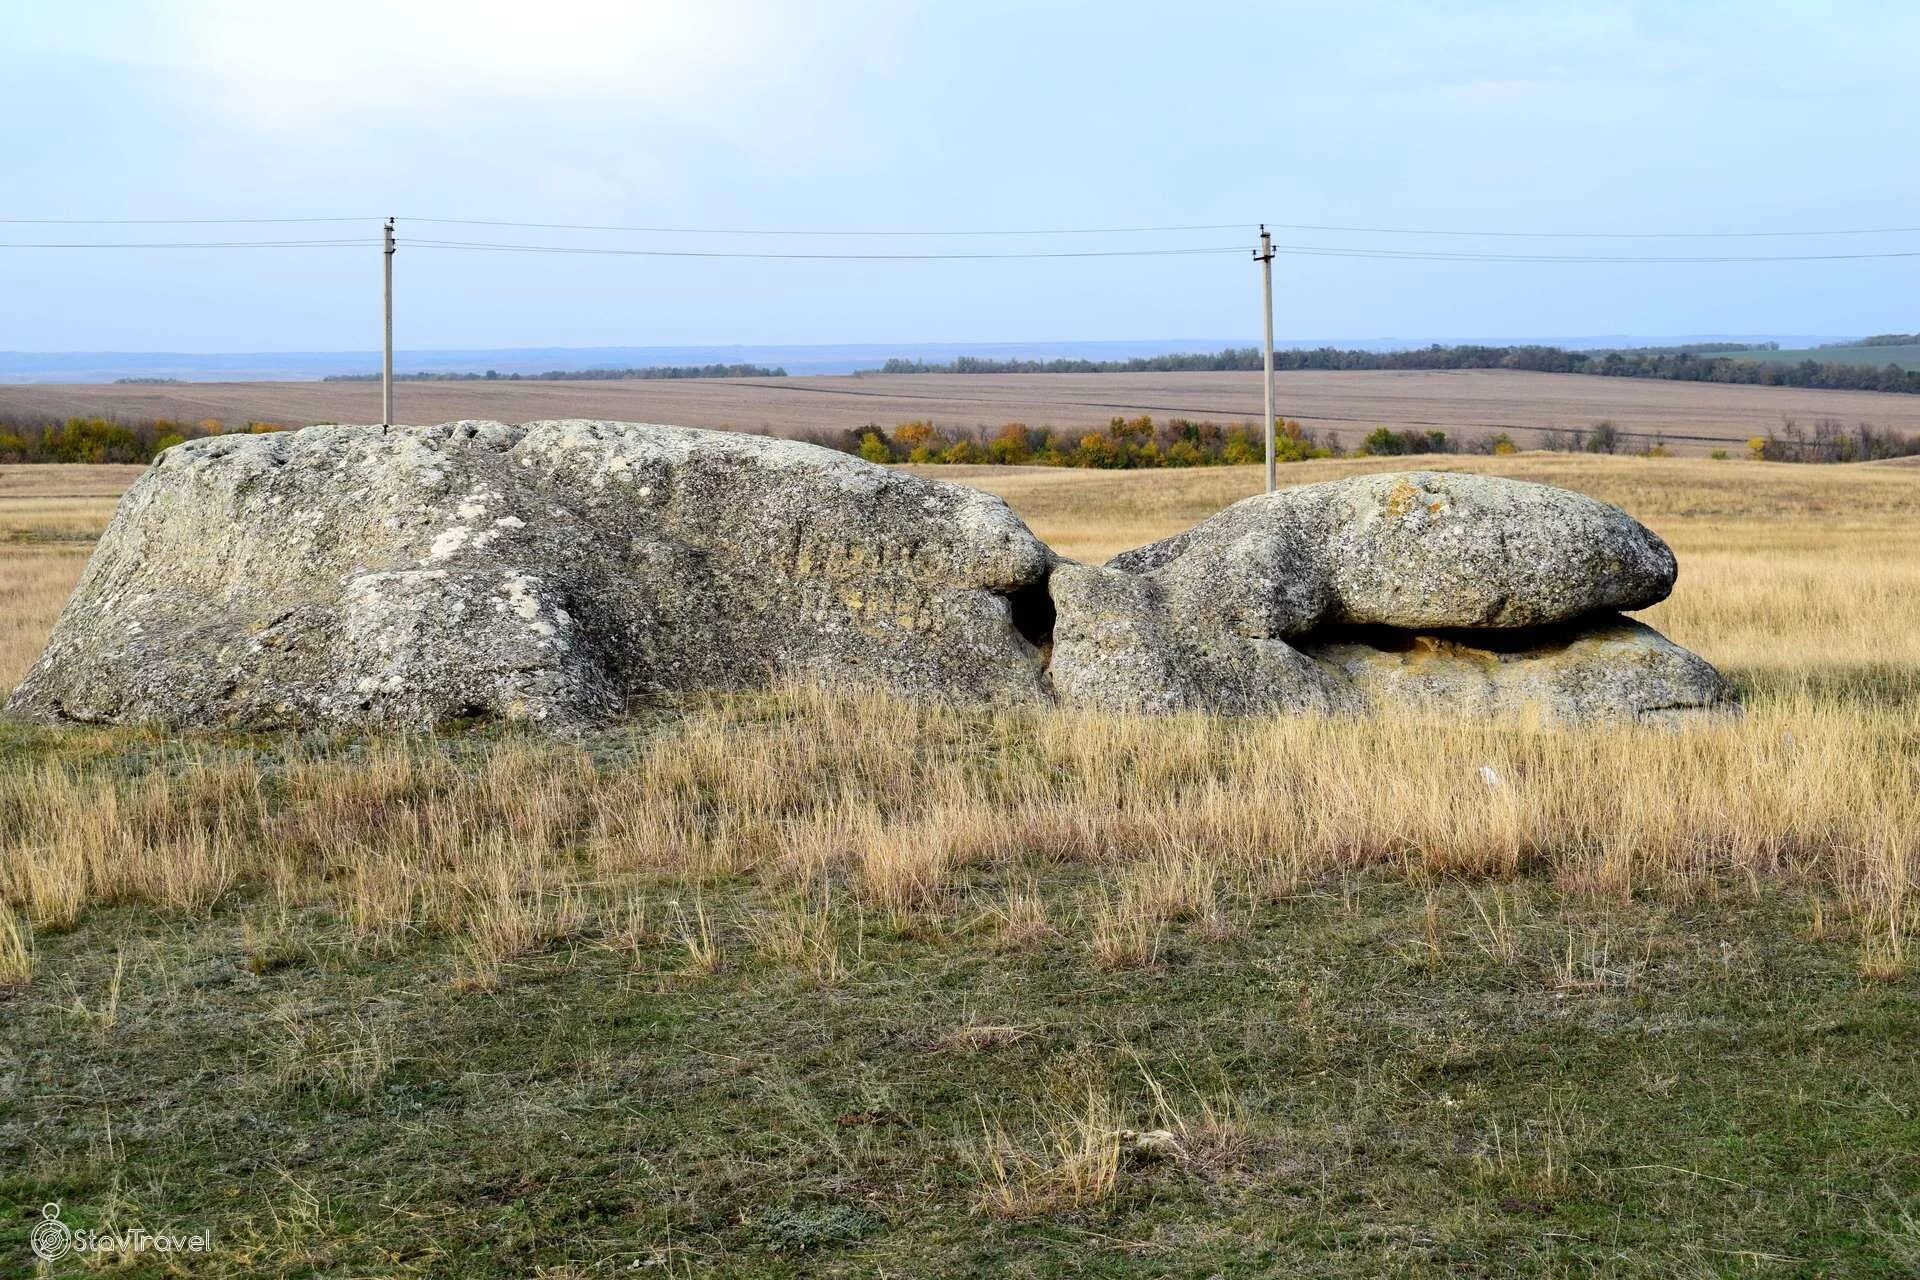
x: 1264, y: 255
x: 386, y: 363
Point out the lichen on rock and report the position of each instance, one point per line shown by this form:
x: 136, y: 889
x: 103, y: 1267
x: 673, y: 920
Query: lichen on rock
x: 554, y: 572
x: 1411, y: 549
x: 560, y: 572
x: 1457, y: 594
x: 1604, y: 669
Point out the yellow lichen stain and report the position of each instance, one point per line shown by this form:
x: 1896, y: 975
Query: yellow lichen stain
x: 1401, y: 498
x: 876, y: 608
x: 828, y: 558
x: 1427, y: 650
x: 1406, y: 498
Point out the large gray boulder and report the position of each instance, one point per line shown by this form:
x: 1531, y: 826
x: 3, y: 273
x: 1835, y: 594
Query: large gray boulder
x: 559, y: 572
x: 552, y: 572
x: 1119, y: 644
x: 1462, y: 595
x: 1415, y: 549
x: 1605, y: 669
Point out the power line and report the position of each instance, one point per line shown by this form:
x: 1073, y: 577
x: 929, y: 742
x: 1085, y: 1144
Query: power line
x: 762, y: 231
x: 489, y: 247
x: 1296, y: 250
x: 1596, y: 235
x: 976, y: 231
x: 193, y: 244
x: 1442, y: 255
x: 1305, y: 250
x: 1142, y: 230
x: 161, y: 222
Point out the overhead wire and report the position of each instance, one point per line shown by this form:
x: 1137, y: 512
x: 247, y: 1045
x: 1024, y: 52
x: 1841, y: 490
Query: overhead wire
x: 797, y: 233
x: 1592, y: 235
x: 1336, y: 251
x: 1442, y: 255
x: 1162, y: 228
x: 164, y: 222
x: 1142, y: 230
x: 1359, y: 251
x: 193, y: 244
x: 488, y: 246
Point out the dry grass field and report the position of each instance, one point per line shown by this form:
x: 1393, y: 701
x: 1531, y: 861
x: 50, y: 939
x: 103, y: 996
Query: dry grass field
x: 814, y: 983
x: 1693, y: 417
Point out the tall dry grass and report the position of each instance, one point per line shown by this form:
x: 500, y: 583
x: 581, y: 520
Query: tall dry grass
x: 1802, y: 582
x: 902, y: 803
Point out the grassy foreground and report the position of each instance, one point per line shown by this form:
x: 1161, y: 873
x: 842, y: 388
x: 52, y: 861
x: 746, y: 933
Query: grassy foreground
x: 801, y: 984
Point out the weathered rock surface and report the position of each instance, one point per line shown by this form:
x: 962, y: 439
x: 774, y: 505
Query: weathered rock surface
x: 1120, y: 645
x: 559, y: 571
x: 1601, y: 670
x: 1415, y: 550
x: 1463, y: 595
x: 549, y: 572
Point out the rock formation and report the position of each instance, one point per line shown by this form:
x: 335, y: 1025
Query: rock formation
x: 1133, y: 642
x: 1410, y: 549
x: 1462, y: 594
x: 558, y: 572
x: 551, y: 572
x: 1603, y: 669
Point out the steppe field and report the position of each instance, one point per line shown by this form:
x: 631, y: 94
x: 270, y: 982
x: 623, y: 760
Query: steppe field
x: 826, y: 984
x: 1905, y: 355
x: 1691, y: 418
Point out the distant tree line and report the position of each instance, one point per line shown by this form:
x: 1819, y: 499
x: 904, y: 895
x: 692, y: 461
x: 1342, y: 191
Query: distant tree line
x: 1679, y: 364
x: 106, y: 439
x: 1877, y: 340
x: 1135, y: 443
x: 1234, y: 358
x: 581, y: 375
x: 1123, y: 444
x: 1688, y: 349
x: 1830, y: 440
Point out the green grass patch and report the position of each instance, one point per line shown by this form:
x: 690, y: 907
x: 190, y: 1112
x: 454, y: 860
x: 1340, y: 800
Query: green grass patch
x: 1906, y: 356
x: 1367, y: 1076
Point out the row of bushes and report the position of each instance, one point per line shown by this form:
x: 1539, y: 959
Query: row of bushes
x: 1830, y: 440
x: 1671, y: 364
x: 105, y: 439
x: 1129, y: 443
x: 1183, y: 442
x: 1125, y: 443
x: 651, y: 373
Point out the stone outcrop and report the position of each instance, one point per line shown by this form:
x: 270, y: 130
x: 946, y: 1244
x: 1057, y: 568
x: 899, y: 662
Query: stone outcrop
x: 1459, y: 594
x: 550, y: 572
x: 560, y: 572
x: 1410, y: 550
x: 1119, y: 644
x: 1601, y: 670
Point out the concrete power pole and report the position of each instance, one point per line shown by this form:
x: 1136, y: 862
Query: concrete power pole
x: 1265, y: 257
x: 386, y: 364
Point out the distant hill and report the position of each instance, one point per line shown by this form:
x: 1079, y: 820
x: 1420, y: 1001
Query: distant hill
x: 650, y: 373
x: 1752, y: 365
x: 798, y: 359
x: 1905, y: 355
x: 1878, y: 340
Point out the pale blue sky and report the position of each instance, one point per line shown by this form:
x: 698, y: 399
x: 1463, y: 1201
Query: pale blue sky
x: 1656, y: 117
